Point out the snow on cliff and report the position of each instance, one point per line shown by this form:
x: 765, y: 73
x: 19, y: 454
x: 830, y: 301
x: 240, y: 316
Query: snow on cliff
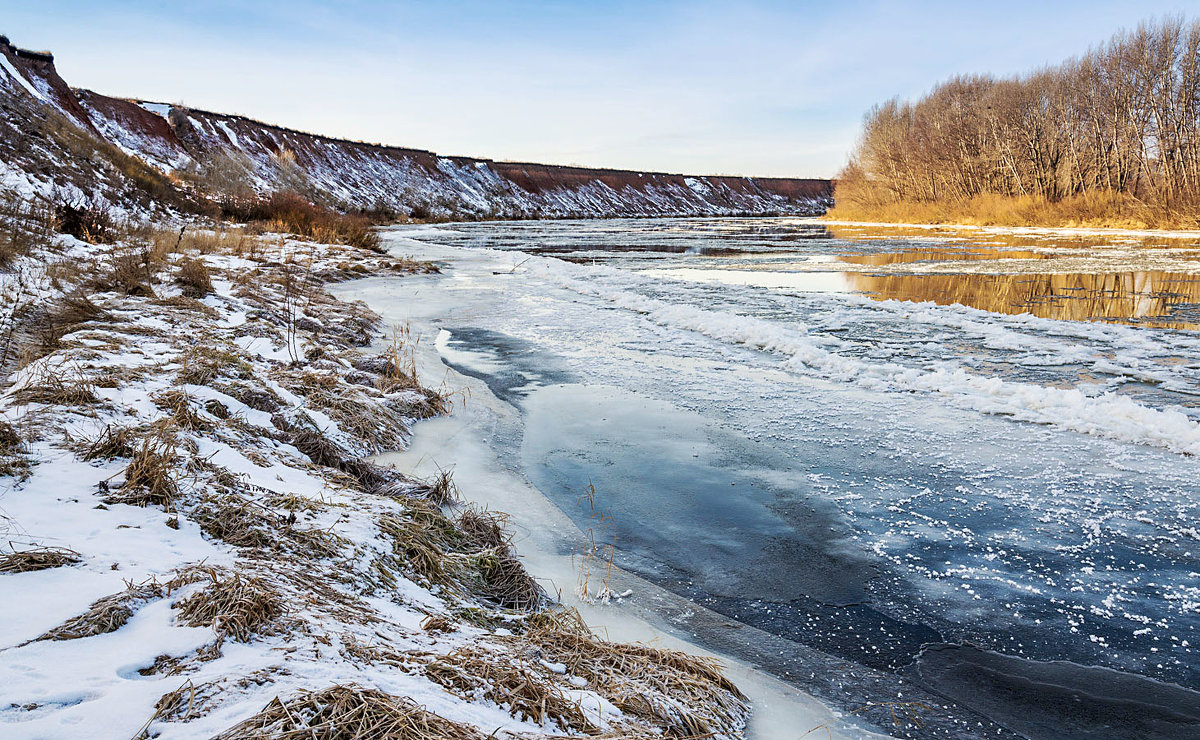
x: 357, y: 175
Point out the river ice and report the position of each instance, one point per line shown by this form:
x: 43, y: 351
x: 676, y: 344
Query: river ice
x: 882, y: 481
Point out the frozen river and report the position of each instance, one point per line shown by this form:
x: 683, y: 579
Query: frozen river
x: 958, y: 468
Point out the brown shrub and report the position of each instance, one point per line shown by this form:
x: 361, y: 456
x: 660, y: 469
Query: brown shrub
x: 195, y: 278
x: 88, y: 222
x: 293, y: 213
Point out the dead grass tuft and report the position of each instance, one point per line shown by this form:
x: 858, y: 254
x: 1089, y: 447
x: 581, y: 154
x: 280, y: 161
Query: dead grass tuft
x: 10, y: 440
x: 107, y: 614
x: 195, y: 278
x: 181, y: 410
x: 205, y: 363
x: 77, y: 308
x: 477, y: 560
x: 683, y: 695
x: 316, y: 447
x: 130, y: 272
x: 112, y: 443
x: 423, y: 539
x: 150, y: 476
x: 235, y: 606
x: 189, y: 304
x: 57, y: 385
x: 347, y: 712
x: 438, y: 623
x: 471, y: 672
x: 38, y: 558
x: 244, y: 523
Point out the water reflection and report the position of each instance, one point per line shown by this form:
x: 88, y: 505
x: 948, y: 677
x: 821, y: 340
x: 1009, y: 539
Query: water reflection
x: 1162, y: 299
x: 933, y: 254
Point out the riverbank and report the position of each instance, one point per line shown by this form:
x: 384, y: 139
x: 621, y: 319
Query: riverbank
x: 1090, y: 211
x: 205, y: 547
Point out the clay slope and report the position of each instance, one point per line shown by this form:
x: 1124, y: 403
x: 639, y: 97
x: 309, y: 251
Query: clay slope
x: 240, y: 156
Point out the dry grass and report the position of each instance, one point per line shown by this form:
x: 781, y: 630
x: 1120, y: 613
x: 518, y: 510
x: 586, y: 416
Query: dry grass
x: 107, y: 614
x: 71, y: 311
x: 472, y: 672
x: 130, y: 272
x: 347, y: 712
x: 78, y: 308
x: 681, y: 694
x: 1092, y: 210
x: 204, y: 363
x: 195, y: 278
x: 181, y: 410
x: 38, y: 558
x: 439, y: 491
x: 12, y: 460
x: 316, y: 447
x: 25, y: 226
x: 295, y: 214
x: 57, y: 385
x: 421, y: 403
x: 150, y: 476
x: 234, y: 605
x: 422, y: 539
x: 10, y: 439
x: 245, y: 523
x: 476, y: 559
x: 217, y: 240
x: 178, y: 705
x: 188, y: 304
x: 375, y: 425
x: 111, y: 443
x: 258, y: 398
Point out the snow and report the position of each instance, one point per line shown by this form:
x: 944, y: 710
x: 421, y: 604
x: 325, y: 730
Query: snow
x: 104, y: 685
x: 161, y: 109
x: 20, y: 79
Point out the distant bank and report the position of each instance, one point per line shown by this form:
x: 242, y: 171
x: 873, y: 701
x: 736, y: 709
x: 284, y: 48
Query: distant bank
x: 1109, y: 139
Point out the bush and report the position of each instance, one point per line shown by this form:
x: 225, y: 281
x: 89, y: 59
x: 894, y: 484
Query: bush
x: 293, y: 213
x: 85, y: 221
x: 195, y: 278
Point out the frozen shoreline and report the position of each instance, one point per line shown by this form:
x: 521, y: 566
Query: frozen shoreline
x: 548, y: 541
x: 552, y: 332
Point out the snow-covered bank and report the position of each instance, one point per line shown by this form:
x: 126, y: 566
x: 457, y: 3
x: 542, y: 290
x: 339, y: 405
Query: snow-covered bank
x: 227, y: 559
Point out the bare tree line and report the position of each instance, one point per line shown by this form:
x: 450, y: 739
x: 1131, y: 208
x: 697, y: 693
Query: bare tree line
x: 1122, y: 119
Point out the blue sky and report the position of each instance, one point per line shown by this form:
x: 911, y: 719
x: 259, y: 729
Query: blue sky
x: 751, y: 88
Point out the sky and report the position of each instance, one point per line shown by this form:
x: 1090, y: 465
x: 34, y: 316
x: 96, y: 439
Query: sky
x: 760, y: 88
